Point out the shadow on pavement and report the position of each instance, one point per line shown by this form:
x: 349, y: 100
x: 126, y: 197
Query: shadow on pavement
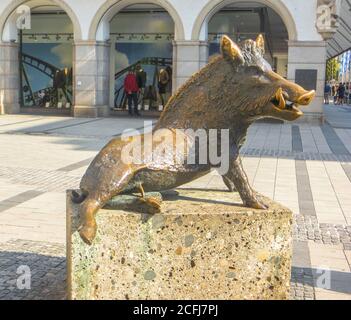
x: 334, y: 281
x: 46, y: 275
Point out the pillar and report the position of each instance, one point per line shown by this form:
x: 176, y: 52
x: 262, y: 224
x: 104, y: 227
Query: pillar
x: 309, y: 55
x: 189, y: 57
x: 9, y: 78
x: 91, y: 80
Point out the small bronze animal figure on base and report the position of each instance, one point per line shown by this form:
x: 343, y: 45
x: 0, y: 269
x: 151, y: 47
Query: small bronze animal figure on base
x: 234, y: 90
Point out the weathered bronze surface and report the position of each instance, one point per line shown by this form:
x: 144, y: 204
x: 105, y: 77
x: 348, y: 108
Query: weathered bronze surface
x: 233, y: 91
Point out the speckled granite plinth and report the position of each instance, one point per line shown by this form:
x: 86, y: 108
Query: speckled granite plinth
x: 203, y: 246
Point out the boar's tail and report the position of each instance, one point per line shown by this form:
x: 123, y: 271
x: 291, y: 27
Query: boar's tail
x: 78, y: 196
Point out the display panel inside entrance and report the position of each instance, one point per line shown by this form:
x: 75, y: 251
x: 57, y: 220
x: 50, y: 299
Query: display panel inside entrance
x: 141, y: 37
x: 47, y: 75
x: 151, y: 65
x: 46, y: 56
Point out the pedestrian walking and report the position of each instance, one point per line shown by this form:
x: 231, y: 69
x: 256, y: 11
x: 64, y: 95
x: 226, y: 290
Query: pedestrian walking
x: 163, y: 79
x: 347, y: 93
x: 141, y: 80
x: 327, y: 92
x: 132, y: 89
x: 335, y: 93
x: 341, y: 94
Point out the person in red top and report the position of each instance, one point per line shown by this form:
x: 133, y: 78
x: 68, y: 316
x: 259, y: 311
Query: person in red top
x: 132, y: 89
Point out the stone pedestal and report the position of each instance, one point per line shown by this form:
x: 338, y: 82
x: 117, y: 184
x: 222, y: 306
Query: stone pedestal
x: 91, y: 81
x: 311, y: 55
x: 204, y: 245
x: 9, y: 78
x: 189, y: 57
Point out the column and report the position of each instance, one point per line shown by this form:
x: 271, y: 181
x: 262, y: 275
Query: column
x: 309, y: 55
x: 189, y: 57
x: 9, y: 78
x: 91, y: 80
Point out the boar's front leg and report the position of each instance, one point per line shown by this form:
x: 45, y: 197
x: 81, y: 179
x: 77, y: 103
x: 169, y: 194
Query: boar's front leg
x: 96, y: 200
x: 238, y: 176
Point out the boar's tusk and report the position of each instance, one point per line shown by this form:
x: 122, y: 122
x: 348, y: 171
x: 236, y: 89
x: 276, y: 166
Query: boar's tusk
x: 277, y: 94
x: 280, y: 98
x: 282, y: 103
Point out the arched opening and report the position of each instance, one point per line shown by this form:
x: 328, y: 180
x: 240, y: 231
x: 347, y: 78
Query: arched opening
x: 246, y: 20
x: 46, y: 62
x: 298, y: 60
x: 200, y: 28
x: 141, y: 37
x: 45, y: 44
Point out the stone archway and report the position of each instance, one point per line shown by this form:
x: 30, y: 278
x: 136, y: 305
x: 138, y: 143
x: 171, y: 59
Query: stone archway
x: 62, y: 4
x: 100, y: 24
x: 304, y: 53
x: 100, y: 27
x: 8, y: 44
x: 214, y: 6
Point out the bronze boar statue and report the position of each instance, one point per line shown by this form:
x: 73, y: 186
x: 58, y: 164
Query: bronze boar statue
x: 234, y: 90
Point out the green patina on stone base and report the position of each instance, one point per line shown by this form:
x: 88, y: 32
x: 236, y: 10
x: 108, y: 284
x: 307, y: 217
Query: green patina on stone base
x: 202, y: 246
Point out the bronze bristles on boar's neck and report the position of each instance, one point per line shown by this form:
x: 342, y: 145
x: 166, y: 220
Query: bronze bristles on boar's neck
x: 215, y: 97
x: 231, y: 92
x: 235, y: 88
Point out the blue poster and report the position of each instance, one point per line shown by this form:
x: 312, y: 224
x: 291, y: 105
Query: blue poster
x: 152, y: 58
x: 129, y: 53
x: 47, y: 74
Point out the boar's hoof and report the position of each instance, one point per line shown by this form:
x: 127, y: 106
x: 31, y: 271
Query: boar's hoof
x: 88, y: 233
x: 256, y: 204
x: 154, y: 204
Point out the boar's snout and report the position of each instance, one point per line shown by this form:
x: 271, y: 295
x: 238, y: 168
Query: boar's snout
x: 286, y: 101
x: 295, y: 93
x: 306, y: 99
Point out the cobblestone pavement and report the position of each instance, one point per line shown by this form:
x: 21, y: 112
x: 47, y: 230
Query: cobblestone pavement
x: 302, y: 284
x: 47, y: 266
x: 308, y: 228
x: 44, y: 180
x: 306, y: 168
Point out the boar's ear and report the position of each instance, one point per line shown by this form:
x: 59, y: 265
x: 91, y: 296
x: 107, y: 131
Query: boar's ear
x: 260, y: 44
x: 231, y: 51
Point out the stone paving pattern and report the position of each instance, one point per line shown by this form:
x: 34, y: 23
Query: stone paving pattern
x: 47, y: 264
x: 305, y: 167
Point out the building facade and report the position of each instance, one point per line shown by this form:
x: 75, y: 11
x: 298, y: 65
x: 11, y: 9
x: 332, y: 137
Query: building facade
x: 70, y: 56
x: 339, y: 68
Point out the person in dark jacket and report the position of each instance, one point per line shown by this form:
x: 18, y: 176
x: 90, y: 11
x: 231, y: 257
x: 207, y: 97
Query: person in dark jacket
x: 132, y: 89
x: 341, y: 93
x: 163, y: 79
x: 327, y: 92
x: 141, y: 79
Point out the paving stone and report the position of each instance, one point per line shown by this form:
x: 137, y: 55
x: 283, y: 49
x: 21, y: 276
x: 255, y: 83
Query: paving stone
x: 47, y: 265
x: 301, y: 284
x: 328, y: 233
